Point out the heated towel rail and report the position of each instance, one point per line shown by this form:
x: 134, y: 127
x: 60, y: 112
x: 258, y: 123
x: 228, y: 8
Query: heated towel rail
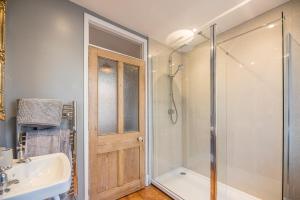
x: 69, y: 114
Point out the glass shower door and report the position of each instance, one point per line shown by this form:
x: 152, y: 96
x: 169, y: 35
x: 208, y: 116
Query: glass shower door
x: 292, y: 139
x: 250, y: 112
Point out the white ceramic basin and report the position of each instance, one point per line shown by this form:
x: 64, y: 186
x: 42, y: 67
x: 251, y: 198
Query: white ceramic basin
x: 44, y: 177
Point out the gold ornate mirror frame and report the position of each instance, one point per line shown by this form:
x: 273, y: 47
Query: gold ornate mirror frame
x: 2, y: 56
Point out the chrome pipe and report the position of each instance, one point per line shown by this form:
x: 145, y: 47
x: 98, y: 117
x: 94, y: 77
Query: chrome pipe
x: 288, y: 100
x: 213, y: 146
x: 74, y: 104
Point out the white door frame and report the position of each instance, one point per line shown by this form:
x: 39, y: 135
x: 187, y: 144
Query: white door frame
x: 89, y: 19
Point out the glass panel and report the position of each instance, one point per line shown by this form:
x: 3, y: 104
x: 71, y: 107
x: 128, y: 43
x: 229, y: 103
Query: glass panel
x: 131, y: 98
x: 249, y: 112
x: 292, y: 144
x: 107, y: 96
x: 108, y: 40
x: 181, y: 117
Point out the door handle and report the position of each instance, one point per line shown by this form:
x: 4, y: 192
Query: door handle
x: 140, y: 139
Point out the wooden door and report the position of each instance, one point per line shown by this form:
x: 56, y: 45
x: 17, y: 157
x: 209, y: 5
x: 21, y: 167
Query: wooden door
x: 116, y: 124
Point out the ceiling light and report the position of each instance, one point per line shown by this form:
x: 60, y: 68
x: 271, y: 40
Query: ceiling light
x: 180, y: 37
x: 194, y: 30
x: 106, y: 68
x: 271, y: 25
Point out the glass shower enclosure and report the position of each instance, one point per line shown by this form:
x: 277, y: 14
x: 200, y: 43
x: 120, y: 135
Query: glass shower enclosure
x: 218, y: 114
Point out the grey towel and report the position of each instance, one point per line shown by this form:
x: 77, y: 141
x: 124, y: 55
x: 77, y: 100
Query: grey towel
x: 40, y: 113
x: 47, y: 141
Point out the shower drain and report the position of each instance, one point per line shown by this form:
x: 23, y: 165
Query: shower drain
x: 182, y: 173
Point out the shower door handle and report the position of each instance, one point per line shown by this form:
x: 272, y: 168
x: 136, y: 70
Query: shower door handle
x: 140, y: 139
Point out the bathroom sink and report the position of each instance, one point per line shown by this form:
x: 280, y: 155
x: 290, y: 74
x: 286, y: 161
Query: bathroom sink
x: 44, y: 177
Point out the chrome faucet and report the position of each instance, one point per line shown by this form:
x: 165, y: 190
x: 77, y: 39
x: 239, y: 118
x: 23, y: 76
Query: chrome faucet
x: 3, y: 177
x: 4, y: 182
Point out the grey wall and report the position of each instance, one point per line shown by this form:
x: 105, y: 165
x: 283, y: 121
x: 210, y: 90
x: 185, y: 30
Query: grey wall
x: 44, y: 60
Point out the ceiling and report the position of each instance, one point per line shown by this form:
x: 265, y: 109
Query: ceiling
x: 160, y: 19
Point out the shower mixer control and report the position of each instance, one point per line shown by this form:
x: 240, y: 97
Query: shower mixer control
x: 171, y: 111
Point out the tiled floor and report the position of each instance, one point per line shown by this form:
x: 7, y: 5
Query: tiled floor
x: 148, y: 193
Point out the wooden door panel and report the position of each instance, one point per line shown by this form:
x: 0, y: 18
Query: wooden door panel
x: 131, y: 164
x: 109, y: 148
x: 117, y: 161
x: 118, y: 142
x: 107, y: 171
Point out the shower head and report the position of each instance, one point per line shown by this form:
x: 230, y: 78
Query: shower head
x: 179, y: 67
